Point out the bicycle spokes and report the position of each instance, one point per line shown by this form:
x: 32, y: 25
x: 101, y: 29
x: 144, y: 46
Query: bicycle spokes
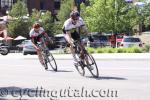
x: 52, y: 62
x: 92, y: 66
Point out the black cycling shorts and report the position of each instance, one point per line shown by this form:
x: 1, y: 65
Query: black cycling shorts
x: 75, y: 35
x: 37, y: 39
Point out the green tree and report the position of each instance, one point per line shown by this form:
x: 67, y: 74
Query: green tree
x: 65, y: 9
x: 146, y: 14
x: 18, y: 26
x: 45, y: 19
x: 108, y: 16
x: 63, y: 14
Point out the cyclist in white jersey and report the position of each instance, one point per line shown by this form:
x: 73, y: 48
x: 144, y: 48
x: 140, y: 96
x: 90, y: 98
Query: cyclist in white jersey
x: 35, y: 34
x: 71, y: 29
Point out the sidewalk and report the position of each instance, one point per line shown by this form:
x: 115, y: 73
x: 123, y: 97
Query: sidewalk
x: 102, y: 56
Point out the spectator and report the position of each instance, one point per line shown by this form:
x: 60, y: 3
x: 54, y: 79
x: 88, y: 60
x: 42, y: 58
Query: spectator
x: 3, y: 31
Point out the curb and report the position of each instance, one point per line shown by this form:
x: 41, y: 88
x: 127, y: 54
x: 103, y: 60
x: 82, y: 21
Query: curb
x: 102, y: 56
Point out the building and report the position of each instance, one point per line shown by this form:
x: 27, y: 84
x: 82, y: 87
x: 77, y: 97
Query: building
x: 50, y: 5
x: 5, y: 5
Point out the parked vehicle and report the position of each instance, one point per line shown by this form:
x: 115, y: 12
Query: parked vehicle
x: 4, y: 49
x: 28, y: 48
x: 98, y: 41
x: 60, y: 41
x: 21, y: 45
x: 129, y: 41
x: 119, y: 39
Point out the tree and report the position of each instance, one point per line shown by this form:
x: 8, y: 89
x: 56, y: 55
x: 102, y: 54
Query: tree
x: 65, y: 9
x: 109, y: 16
x: 18, y: 26
x: 47, y: 22
x: 44, y: 18
x: 63, y: 14
x: 146, y: 14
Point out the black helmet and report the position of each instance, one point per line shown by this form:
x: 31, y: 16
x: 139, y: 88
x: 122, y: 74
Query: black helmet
x: 74, y: 15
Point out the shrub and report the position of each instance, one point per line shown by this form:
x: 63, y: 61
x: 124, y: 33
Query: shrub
x: 110, y: 50
x: 18, y: 27
x: 120, y: 50
x: 91, y: 50
x: 137, y: 50
x: 99, y: 50
x: 146, y: 48
x: 115, y: 50
x: 129, y: 50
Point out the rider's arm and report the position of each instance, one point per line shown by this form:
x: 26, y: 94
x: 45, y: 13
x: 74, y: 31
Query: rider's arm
x: 42, y: 31
x: 34, y: 45
x: 69, y: 38
x: 5, y: 34
x: 83, y: 28
x: 31, y: 34
x: 46, y: 35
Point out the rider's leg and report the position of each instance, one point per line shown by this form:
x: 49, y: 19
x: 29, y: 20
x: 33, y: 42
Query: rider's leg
x: 40, y: 56
x: 70, y: 41
x: 41, y: 59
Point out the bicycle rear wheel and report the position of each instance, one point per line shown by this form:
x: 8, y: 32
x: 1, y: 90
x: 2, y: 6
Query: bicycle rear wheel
x: 92, y: 66
x: 51, y: 62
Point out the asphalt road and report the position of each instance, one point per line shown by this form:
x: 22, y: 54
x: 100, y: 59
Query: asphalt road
x: 24, y: 78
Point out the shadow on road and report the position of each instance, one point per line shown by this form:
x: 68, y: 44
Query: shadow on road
x: 61, y: 71
x: 107, y: 78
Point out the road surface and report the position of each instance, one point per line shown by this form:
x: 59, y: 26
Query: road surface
x: 22, y: 77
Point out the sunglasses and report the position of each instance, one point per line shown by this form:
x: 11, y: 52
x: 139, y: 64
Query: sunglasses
x: 75, y: 19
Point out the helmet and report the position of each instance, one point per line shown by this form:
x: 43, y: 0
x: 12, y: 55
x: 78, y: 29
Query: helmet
x: 74, y: 15
x: 36, y: 25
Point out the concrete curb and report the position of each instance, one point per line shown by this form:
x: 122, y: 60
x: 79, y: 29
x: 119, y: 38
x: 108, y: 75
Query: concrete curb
x: 102, y: 56
x: 112, y: 56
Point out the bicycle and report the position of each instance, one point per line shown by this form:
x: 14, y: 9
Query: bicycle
x: 84, y: 59
x: 47, y: 57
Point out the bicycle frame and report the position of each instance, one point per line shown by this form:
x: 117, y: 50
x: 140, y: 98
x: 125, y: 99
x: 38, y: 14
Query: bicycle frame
x: 87, y: 60
x: 46, y: 54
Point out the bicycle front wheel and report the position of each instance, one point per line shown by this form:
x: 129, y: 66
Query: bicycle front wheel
x: 92, y: 66
x: 51, y: 62
x: 80, y: 68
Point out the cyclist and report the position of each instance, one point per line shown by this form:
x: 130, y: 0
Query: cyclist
x: 71, y: 29
x: 35, y: 34
x: 3, y: 31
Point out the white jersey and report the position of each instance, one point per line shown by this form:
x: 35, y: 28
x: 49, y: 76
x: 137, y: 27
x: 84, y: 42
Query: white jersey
x: 68, y: 26
x: 35, y: 34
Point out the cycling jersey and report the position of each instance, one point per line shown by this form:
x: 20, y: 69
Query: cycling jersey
x: 69, y: 26
x: 35, y: 34
x: 73, y: 28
